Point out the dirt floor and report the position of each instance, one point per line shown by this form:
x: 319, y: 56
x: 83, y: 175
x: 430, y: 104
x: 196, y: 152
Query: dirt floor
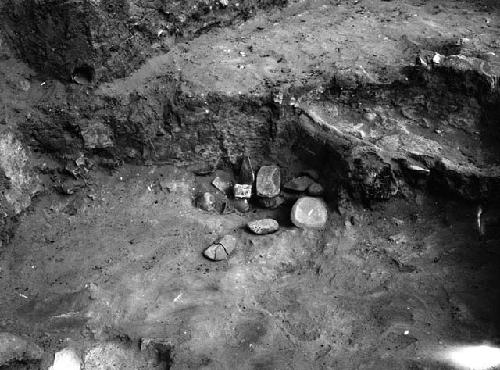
x: 101, y: 245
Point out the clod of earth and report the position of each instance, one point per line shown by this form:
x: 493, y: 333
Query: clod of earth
x: 268, y: 181
x: 241, y: 205
x: 264, y: 226
x: 309, y: 212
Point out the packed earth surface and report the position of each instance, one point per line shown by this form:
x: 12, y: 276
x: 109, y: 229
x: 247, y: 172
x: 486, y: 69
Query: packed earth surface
x: 262, y: 184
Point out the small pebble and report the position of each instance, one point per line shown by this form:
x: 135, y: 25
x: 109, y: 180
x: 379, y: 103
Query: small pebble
x: 222, y: 249
x: 315, y: 189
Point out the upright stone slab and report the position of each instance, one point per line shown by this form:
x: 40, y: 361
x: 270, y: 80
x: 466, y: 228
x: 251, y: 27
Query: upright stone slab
x: 268, y: 181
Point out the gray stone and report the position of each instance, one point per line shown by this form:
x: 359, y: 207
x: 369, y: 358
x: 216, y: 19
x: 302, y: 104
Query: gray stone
x: 247, y: 175
x: 97, y: 135
x: 313, y: 174
x: 315, y: 190
x: 242, y: 191
x: 14, y: 347
x: 222, y: 249
x: 264, y: 226
x: 271, y: 203
x: 299, y: 184
x: 222, y: 184
x: 268, y: 181
x: 241, y: 205
x: 309, y: 212
x: 206, y: 201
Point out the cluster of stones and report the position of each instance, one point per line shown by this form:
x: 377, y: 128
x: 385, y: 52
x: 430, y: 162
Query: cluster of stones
x: 309, y: 210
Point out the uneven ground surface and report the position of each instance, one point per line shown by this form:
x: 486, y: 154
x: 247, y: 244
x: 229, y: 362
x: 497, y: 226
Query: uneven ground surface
x: 109, y: 261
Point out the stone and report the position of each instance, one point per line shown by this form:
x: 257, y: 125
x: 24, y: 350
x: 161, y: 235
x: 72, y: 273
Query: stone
x: 16, y: 348
x: 222, y: 249
x: 241, y: 205
x: 299, y: 184
x: 264, y: 226
x: 309, y: 212
x: 66, y: 359
x: 206, y: 201
x: 313, y: 174
x: 247, y: 175
x: 242, y: 191
x: 315, y: 190
x: 271, y: 203
x: 370, y: 116
x: 268, y: 181
x: 222, y: 184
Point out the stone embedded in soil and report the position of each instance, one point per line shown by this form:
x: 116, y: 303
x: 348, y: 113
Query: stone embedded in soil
x: 264, y: 226
x: 221, y: 184
x: 206, y: 201
x: 96, y: 135
x: 66, y: 359
x: 242, y: 191
x: 16, y: 348
x: 222, y: 249
x: 309, y: 212
x: 247, y: 175
x: 299, y: 184
x: 315, y: 189
x: 268, y: 181
x: 271, y: 203
x: 242, y: 205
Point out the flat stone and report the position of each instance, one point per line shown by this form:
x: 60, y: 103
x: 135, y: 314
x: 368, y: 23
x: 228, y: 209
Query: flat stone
x: 268, y: 181
x: 222, y: 249
x: 66, y: 359
x: 241, y: 205
x: 264, y: 226
x: 206, y: 201
x: 243, y: 191
x: 247, y: 175
x: 14, y: 347
x: 309, y: 212
x: 271, y: 203
x: 222, y: 184
x: 315, y: 189
x: 299, y: 184
x: 313, y: 174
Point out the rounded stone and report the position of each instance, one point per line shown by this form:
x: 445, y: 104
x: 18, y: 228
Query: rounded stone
x: 309, y: 212
x: 315, y: 190
x: 268, y: 181
x: 222, y: 249
x: 264, y: 226
x: 206, y: 201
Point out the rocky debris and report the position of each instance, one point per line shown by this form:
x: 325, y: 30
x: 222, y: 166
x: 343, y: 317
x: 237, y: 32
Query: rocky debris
x: 309, y: 212
x: 247, y: 174
x: 299, y: 184
x: 271, y: 203
x: 241, y: 205
x: 96, y: 135
x: 315, y: 190
x: 15, y: 348
x: 222, y: 184
x: 66, y: 359
x: 264, y: 226
x: 242, y: 191
x: 206, y: 201
x: 222, y: 249
x: 268, y: 181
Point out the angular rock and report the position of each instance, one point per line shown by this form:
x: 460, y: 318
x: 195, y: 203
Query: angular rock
x: 66, y: 359
x: 206, y: 201
x: 16, y: 348
x: 264, y: 226
x: 247, y: 175
x: 222, y: 249
x: 309, y: 212
x: 271, y: 203
x: 299, y: 184
x: 222, y: 184
x: 268, y: 181
x: 242, y: 191
x: 241, y: 205
x: 315, y: 189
